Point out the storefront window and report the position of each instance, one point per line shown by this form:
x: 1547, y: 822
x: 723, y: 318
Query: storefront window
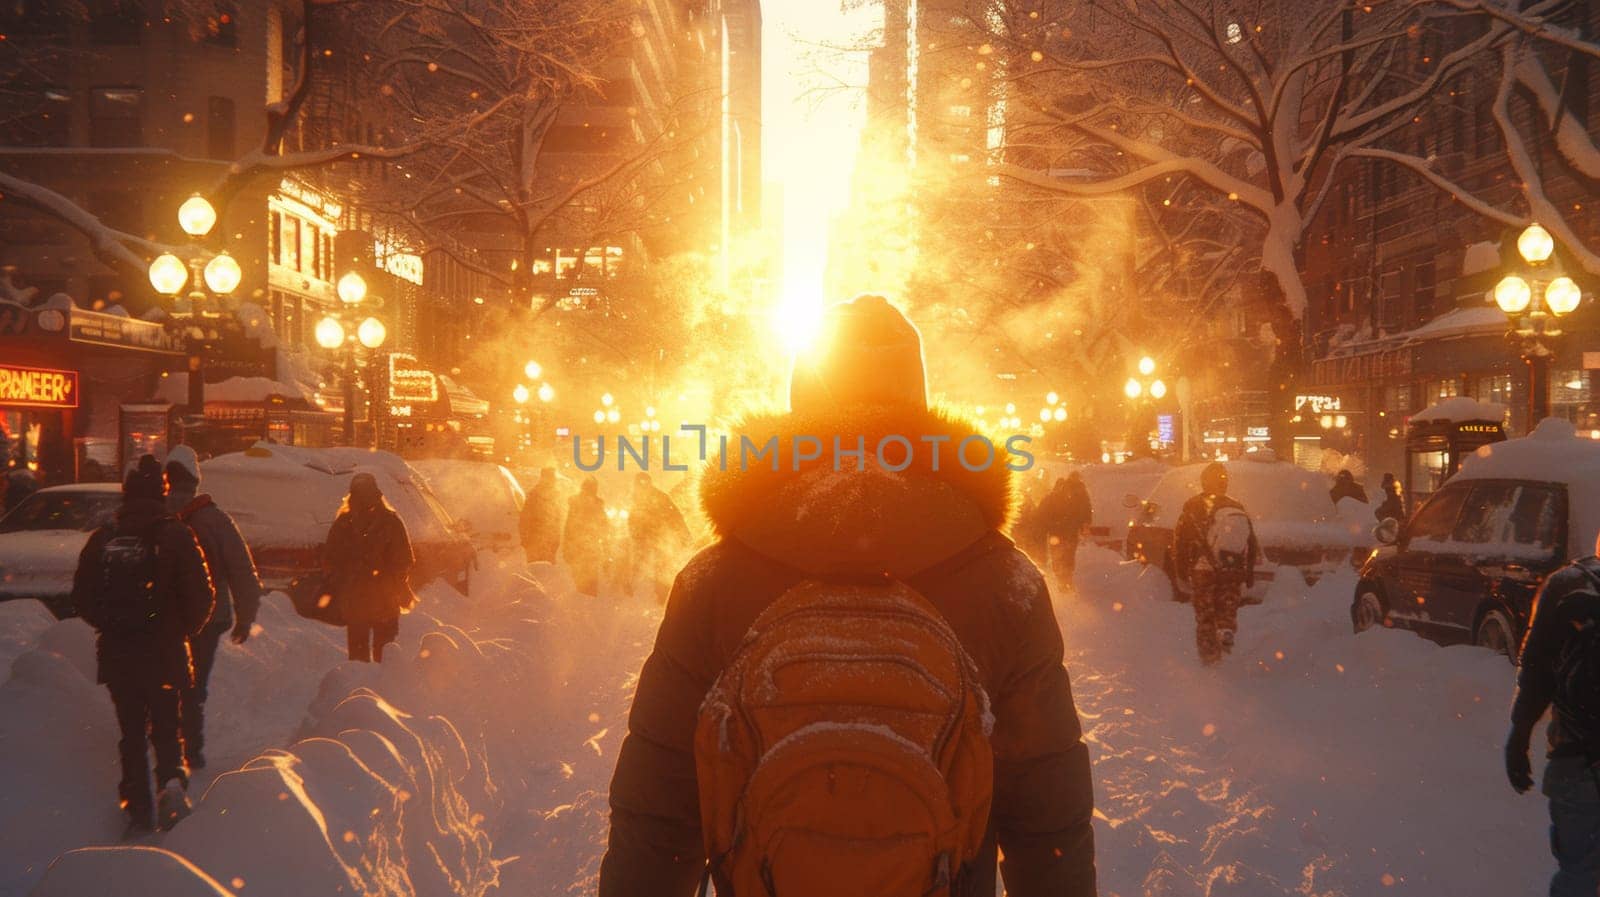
x: 1397, y: 399
x: 1572, y: 398
x: 1496, y: 389
x: 1427, y: 472
x: 1435, y: 391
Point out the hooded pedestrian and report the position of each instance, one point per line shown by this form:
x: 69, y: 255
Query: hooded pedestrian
x: 540, y: 524
x: 1064, y: 515
x: 1215, y: 550
x: 1345, y: 486
x: 587, y: 539
x: 142, y: 583
x: 848, y: 575
x: 233, y: 575
x: 369, y: 568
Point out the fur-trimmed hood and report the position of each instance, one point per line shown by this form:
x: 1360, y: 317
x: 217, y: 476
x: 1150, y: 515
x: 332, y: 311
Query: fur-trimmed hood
x: 849, y: 521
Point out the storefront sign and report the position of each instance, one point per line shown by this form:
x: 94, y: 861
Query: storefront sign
x: 1164, y: 428
x: 408, y: 382
x: 399, y: 410
x: 1256, y: 434
x: 113, y: 330
x: 1317, y: 404
x: 38, y: 387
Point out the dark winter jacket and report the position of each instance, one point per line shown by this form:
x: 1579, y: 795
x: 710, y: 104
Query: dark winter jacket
x: 939, y: 532
x: 1392, y: 507
x: 1345, y: 486
x: 182, y: 592
x: 655, y: 523
x: 1028, y: 530
x: 1189, y: 536
x: 233, y: 571
x: 1565, y: 601
x: 1066, y: 511
x: 540, y: 523
x: 369, y: 564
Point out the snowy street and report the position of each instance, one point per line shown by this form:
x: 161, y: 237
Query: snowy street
x: 475, y: 759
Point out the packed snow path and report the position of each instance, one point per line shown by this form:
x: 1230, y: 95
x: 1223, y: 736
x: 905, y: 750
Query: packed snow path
x: 475, y: 759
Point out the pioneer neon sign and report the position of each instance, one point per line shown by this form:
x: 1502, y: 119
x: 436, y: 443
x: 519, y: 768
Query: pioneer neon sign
x: 38, y: 387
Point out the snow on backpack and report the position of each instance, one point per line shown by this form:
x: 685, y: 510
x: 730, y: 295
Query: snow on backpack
x: 845, y: 750
x: 128, y: 582
x: 1228, y: 536
x: 1577, y: 691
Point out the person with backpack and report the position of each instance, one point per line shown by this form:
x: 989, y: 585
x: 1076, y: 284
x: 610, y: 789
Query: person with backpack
x: 233, y: 575
x: 1391, y: 508
x: 369, y: 569
x: 858, y: 688
x: 142, y: 583
x: 1559, y: 671
x: 1214, y: 549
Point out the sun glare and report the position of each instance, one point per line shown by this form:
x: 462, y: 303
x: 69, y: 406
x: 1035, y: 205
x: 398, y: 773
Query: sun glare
x: 798, y: 319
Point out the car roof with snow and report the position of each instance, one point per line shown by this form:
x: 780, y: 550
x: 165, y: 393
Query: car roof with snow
x: 1287, y: 503
x: 284, y: 495
x: 1553, y: 453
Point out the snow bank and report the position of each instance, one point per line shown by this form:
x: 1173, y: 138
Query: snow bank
x: 1311, y: 762
x: 1552, y: 453
x: 1461, y: 409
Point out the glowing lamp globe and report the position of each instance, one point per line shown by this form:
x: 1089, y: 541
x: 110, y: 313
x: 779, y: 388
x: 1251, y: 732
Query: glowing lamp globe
x: 222, y: 274
x: 1147, y: 366
x: 1562, y: 296
x: 1132, y: 388
x: 372, y: 333
x: 613, y: 415
x: 546, y: 392
x: 1061, y: 414
x: 1052, y: 398
x: 599, y: 417
x: 520, y: 394
x: 1512, y: 294
x: 606, y: 400
x: 168, y: 274
x: 1535, y: 244
x: 330, y: 333
x: 1044, y: 414
x: 352, y: 288
x: 1158, y: 390
x: 196, y: 216
x: 533, y: 370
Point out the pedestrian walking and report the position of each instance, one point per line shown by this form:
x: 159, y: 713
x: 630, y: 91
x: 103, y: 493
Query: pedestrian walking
x: 811, y: 720
x: 1392, y: 507
x: 587, y: 539
x: 233, y: 576
x: 369, y: 569
x: 1345, y: 486
x: 657, y: 536
x: 1064, y: 515
x: 540, y: 523
x: 141, y: 582
x: 1215, y: 550
x: 1560, y: 672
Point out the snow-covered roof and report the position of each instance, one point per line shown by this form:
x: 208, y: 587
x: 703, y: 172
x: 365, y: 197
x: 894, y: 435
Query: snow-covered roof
x: 1460, y: 410
x: 1470, y: 321
x: 1554, y: 453
x: 247, y: 390
x: 1480, y: 257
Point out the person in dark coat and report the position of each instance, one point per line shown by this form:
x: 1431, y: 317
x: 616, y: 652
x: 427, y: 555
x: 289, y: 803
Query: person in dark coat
x: 1345, y: 486
x: 940, y: 531
x: 657, y: 535
x: 540, y: 523
x: 1064, y: 514
x: 587, y: 538
x: 233, y: 574
x: 1216, y: 596
x: 1392, y: 507
x: 1028, y: 531
x: 369, y: 568
x: 143, y: 631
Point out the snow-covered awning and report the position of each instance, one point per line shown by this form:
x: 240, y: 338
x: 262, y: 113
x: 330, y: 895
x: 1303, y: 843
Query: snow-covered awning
x: 1461, y: 409
x: 241, y: 390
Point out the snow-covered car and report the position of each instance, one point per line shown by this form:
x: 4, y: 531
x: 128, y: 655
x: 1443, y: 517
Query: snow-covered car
x: 41, y: 538
x: 284, y: 498
x: 1465, y: 567
x: 484, y: 496
x: 1295, y: 520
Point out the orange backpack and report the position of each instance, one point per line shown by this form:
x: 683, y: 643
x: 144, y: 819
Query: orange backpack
x: 845, y: 750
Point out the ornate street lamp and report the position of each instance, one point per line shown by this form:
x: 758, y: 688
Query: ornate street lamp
x: 1534, y: 298
x: 196, y: 216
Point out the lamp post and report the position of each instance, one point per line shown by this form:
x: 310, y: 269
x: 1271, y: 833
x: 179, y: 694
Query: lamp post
x: 215, y: 276
x: 346, y: 330
x: 1144, y: 388
x: 1534, y: 298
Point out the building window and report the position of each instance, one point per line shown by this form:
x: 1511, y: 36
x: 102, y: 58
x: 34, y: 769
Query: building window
x: 117, y: 22
x: 45, y: 19
x: 1422, y: 292
x: 275, y: 239
x: 289, y: 242
x: 1397, y: 399
x: 47, y: 123
x: 1496, y: 389
x: 219, y: 128
x: 116, y: 116
x: 1435, y: 391
x: 1572, y: 398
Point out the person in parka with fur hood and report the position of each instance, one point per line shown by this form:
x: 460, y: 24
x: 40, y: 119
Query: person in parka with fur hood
x: 936, y: 527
